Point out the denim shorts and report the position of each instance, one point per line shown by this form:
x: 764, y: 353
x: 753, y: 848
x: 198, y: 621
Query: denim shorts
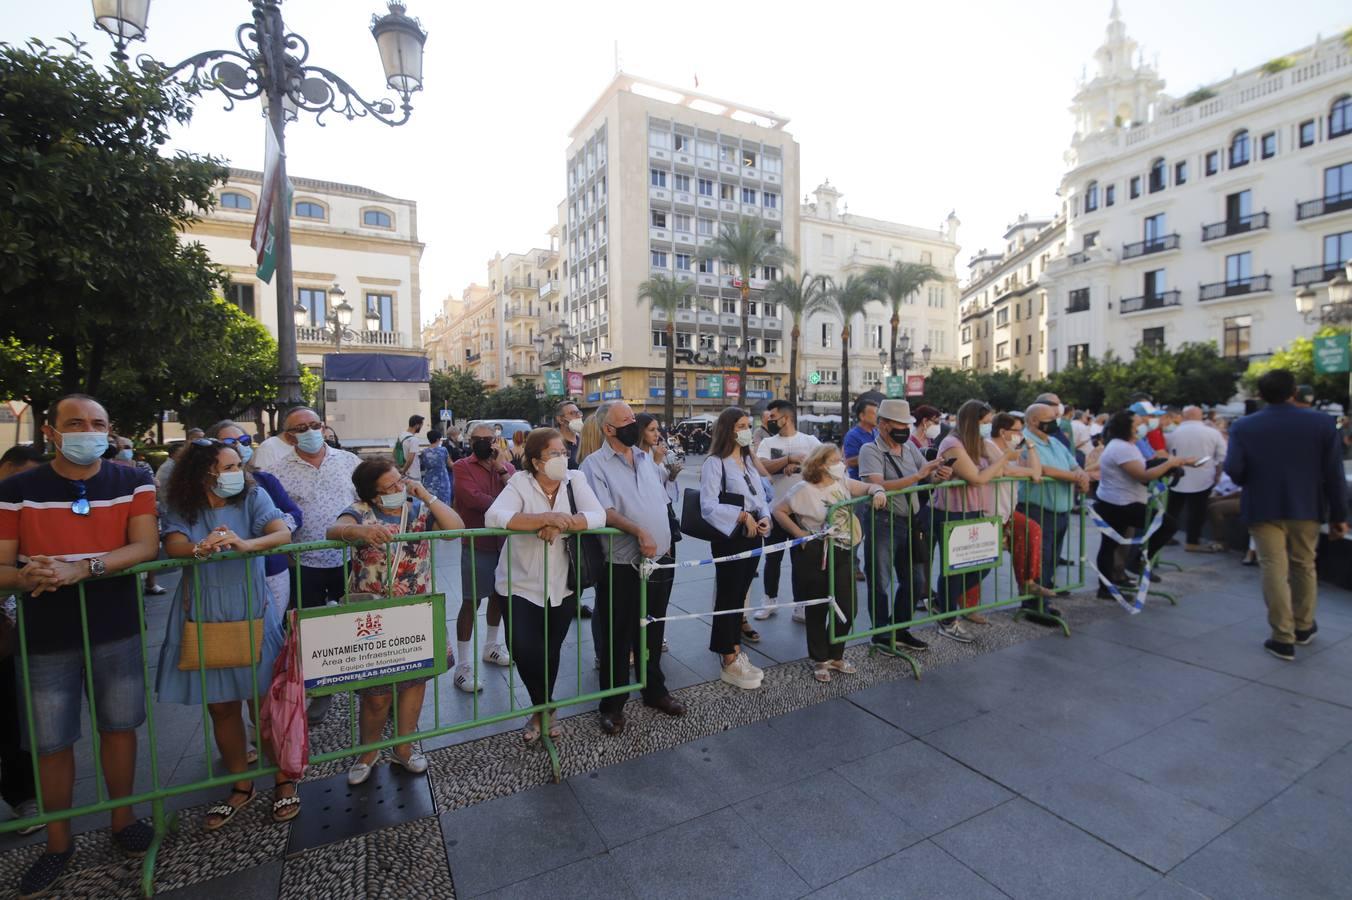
x: 57, y: 680
x: 484, y: 568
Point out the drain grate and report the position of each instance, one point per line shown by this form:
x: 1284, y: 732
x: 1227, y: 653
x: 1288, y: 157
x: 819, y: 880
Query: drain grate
x: 332, y: 810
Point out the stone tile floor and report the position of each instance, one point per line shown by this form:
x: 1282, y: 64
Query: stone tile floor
x: 1158, y: 755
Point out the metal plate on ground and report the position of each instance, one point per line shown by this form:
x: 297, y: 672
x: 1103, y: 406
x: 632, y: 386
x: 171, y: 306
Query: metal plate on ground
x: 332, y: 810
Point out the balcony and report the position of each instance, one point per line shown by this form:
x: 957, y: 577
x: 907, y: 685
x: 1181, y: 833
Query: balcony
x: 1314, y: 274
x: 1080, y: 258
x: 1326, y: 205
x: 308, y: 334
x: 515, y: 341
x: 1253, y: 285
x: 1150, y: 301
x: 1150, y: 245
x: 1231, y: 227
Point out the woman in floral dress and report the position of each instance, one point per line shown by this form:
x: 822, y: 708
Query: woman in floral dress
x: 436, y: 468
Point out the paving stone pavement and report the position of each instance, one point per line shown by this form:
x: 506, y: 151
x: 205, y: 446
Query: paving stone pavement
x: 1159, y: 755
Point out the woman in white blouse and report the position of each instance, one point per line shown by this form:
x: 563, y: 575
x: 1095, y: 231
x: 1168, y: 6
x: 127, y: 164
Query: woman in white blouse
x: 547, y: 499
x: 802, y: 511
x: 732, y: 500
x: 650, y: 441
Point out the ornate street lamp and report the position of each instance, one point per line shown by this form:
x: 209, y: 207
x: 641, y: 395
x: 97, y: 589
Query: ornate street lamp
x: 273, y: 64
x: 1338, y: 310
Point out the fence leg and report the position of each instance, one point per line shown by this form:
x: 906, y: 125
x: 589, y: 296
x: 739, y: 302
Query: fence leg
x: 553, y: 754
x: 164, y: 823
x: 1040, y: 614
x: 1158, y: 593
x: 891, y: 650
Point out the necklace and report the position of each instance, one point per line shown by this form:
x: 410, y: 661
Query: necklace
x: 550, y: 495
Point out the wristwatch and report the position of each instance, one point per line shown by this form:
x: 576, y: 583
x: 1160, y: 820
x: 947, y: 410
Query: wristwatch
x: 96, y: 567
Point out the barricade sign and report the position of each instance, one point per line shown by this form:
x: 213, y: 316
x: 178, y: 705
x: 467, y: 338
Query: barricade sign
x: 373, y: 642
x: 971, y: 545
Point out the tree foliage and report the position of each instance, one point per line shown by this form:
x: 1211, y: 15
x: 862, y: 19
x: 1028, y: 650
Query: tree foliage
x: 459, y: 391
x: 665, y: 293
x: 1297, y: 357
x: 519, y: 401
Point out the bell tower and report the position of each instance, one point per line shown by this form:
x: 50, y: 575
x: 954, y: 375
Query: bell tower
x: 1124, y: 89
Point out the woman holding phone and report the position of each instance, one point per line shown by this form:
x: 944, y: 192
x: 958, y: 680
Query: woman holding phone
x: 732, y: 500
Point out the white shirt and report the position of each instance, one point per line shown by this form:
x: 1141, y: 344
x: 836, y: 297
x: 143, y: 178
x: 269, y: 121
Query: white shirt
x: 322, y: 492
x: 777, y: 447
x: 270, y: 452
x: 717, y: 475
x: 1116, y: 486
x: 1194, y: 438
x: 1080, y: 435
x: 413, y: 445
x: 525, y: 556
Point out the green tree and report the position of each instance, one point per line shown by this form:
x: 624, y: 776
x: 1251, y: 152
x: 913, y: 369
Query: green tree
x: 947, y: 389
x: 234, y: 373
x: 665, y: 293
x: 459, y: 391
x: 1297, y: 358
x: 847, y: 301
x: 519, y: 401
x: 800, y: 298
x: 897, y: 284
x: 749, y: 246
x: 1006, y: 390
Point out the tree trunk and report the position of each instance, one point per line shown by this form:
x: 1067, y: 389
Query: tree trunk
x: 669, y: 408
x: 97, y: 354
x: 844, y: 378
x: 746, y: 336
x: 72, y: 375
x: 896, y: 321
x: 793, y: 364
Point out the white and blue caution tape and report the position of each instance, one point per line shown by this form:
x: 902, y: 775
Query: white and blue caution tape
x: 648, y: 566
x: 840, y: 613
x: 1136, y: 604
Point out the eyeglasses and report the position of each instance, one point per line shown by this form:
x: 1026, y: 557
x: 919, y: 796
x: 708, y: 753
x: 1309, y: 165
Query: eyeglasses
x: 81, y: 504
x: 555, y: 454
x: 243, y: 441
x: 301, y: 429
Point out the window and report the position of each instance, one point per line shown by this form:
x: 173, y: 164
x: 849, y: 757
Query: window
x: 383, y: 306
x: 1002, y: 316
x: 706, y: 187
x: 1338, y: 183
x: 826, y: 335
x: 1091, y: 196
x: 748, y: 159
x: 772, y: 164
x: 967, y: 334
x: 771, y: 346
x: 1337, y: 249
x: 828, y: 245
x: 659, y: 259
x: 1180, y: 172
x: 680, y: 222
x: 706, y: 267
x: 1238, y: 268
x: 681, y: 183
x: 1079, y: 300
x: 727, y: 191
x: 659, y: 338
x: 683, y: 262
x: 770, y: 310
x: 829, y: 376
x: 376, y: 218
x: 1239, y: 150
x: 1135, y: 190
x: 1110, y: 195
x: 1002, y: 350
x: 770, y: 273
x: 1267, y: 145
x: 1154, y: 228
x: 658, y: 219
x: 727, y: 154
x: 1158, y: 176
x: 705, y: 226
x: 242, y: 295
x: 1237, y: 336
x: 307, y: 210
x: 1152, y: 338
x: 1238, y: 207
x: 1213, y: 163
x: 1340, y: 117
x: 967, y: 362
x: 749, y: 195
x: 681, y: 143
x: 1090, y: 240
x: 729, y: 307
x: 233, y: 200
x: 657, y: 178
x: 1307, y: 132
x: 936, y: 297
x: 1154, y: 283
x: 315, y: 303
x: 875, y: 337
x: 659, y: 139
x: 704, y: 149
x: 1077, y: 355
x: 770, y: 200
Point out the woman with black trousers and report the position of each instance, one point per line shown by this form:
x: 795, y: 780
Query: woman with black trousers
x: 732, y: 500
x: 1124, y: 474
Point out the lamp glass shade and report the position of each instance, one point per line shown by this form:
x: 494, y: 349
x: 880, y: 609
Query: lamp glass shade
x: 925, y: 353
x: 372, y: 320
x: 301, y: 315
x: 904, y: 342
x: 400, y: 40
x: 1304, y: 301
x: 882, y: 357
x: 343, y: 312
x: 123, y: 19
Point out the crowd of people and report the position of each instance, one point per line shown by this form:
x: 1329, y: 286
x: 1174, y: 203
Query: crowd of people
x: 765, y: 491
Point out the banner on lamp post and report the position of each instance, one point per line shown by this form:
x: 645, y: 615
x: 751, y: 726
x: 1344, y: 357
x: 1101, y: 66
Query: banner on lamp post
x: 1332, y: 354
x: 554, y: 383
x: 892, y: 385
x: 731, y: 385
x: 575, y: 382
x: 915, y: 385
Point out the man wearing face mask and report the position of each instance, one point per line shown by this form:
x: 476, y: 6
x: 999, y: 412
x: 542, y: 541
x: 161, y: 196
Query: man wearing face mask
x: 1049, y: 502
x: 782, y: 455
x: 1059, y: 409
x: 568, y: 420
x: 318, y: 479
x: 75, y: 518
x: 630, y: 489
x: 479, y: 478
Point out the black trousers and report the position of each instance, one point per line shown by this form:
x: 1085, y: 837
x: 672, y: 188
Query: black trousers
x: 534, y: 638
x: 773, y: 561
x: 619, y: 631
x: 895, y: 549
x: 1189, y: 511
x: 1132, y: 515
x: 16, y: 765
x: 320, y: 585
x: 811, y: 581
x: 731, y: 580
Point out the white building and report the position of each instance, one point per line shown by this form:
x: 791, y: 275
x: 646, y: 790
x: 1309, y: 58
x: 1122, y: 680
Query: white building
x: 1198, y: 218
x: 838, y: 243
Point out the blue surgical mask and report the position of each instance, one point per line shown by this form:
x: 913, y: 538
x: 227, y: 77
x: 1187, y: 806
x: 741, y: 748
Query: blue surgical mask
x: 228, y: 484
x: 124, y: 454
x: 1142, y: 431
x: 310, y: 441
x: 84, y: 448
x: 245, y: 452
x: 985, y: 430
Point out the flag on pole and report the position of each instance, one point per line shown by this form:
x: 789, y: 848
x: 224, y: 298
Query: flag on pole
x: 267, y: 259
x: 264, y: 240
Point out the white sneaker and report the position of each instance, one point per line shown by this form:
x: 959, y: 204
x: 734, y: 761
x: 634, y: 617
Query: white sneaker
x: 956, y: 631
x: 762, y: 614
x: 497, y: 655
x: 740, y: 673
x: 800, y: 614
x: 465, y: 680
x: 746, y: 661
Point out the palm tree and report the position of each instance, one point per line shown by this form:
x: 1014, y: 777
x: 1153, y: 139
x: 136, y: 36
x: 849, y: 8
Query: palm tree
x: 896, y: 284
x: 666, y: 293
x: 749, y: 246
x: 801, y: 297
x: 847, y: 301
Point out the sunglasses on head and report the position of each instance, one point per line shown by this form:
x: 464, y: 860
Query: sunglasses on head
x: 80, y: 506
x: 243, y: 441
x: 204, y: 442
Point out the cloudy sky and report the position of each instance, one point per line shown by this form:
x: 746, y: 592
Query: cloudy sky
x: 910, y: 109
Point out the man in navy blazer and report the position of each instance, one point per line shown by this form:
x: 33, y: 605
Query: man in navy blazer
x: 1290, y: 464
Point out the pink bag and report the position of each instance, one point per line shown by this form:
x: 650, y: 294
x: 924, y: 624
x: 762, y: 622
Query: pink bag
x: 284, y: 728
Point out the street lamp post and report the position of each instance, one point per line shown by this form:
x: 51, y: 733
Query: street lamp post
x: 1338, y: 310
x: 271, y: 64
x: 906, y: 357
x: 339, y: 318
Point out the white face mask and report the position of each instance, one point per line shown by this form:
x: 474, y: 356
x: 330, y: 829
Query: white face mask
x: 744, y: 437
x: 1015, y: 439
x: 575, y: 426
x: 556, y: 468
x: 836, y: 470
x: 932, y: 432
x: 393, y: 501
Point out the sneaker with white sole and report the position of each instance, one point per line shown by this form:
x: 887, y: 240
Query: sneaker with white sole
x: 740, y: 673
x: 497, y: 655
x: 746, y: 661
x: 800, y: 614
x: 954, y: 630
x: 762, y: 614
x: 465, y: 680
x: 27, y: 810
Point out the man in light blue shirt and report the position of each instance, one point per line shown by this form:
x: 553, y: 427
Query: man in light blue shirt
x: 1050, y: 502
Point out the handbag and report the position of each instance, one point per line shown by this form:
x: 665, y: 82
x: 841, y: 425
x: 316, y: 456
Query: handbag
x: 224, y: 645
x: 693, y: 522
x: 583, y: 547
x: 673, y: 523
x: 281, y: 715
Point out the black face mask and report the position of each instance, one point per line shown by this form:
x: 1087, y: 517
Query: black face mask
x: 628, y: 434
x: 772, y: 428
x: 482, y: 447
x: 1048, y: 427
x: 900, y: 435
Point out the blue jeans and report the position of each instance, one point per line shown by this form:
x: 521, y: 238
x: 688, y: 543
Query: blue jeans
x: 1054, y: 527
x: 56, y: 681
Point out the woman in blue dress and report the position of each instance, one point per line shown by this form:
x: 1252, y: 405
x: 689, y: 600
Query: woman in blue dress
x: 436, y: 467
x: 212, y: 506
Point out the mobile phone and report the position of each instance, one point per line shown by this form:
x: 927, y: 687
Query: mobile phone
x: 1201, y: 462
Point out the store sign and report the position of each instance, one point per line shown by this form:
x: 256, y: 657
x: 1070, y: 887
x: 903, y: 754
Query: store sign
x: 713, y: 388
x: 971, y: 545
x: 612, y: 394
x: 574, y: 382
x: 725, y: 359
x: 915, y: 385
x: 554, y: 383
x: 759, y: 395
x: 732, y: 384
x: 373, y: 642
x: 1332, y: 354
x: 662, y: 392
x: 594, y: 396
x: 814, y: 378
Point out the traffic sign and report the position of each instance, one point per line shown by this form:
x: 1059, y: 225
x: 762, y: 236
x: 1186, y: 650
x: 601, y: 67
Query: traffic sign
x: 1332, y: 354
x: 446, y: 415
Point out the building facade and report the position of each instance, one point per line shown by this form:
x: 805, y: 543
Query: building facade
x: 1198, y: 218
x: 652, y: 174
x: 838, y: 243
x: 364, y: 242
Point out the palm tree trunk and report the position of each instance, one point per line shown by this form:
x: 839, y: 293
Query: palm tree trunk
x: 896, y: 321
x: 746, y: 336
x: 669, y: 408
x: 844, y: 378
x: 793, y: 364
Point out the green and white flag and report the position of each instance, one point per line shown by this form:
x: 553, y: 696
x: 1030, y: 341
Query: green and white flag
x: 264, y: 239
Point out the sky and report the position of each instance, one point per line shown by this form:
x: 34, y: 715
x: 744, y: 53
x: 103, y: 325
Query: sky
x: 910, y: 109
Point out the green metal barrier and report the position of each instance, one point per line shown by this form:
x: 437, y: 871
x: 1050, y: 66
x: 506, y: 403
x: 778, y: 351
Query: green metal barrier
x: 159, y: 792
x: 923, y: 548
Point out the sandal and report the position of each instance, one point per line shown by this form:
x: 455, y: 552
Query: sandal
x: 843, y: 666
x: 749, y: 634
x: 284, y: 809
x: 821, y: 671
x: 224, y: 812
x: 531, y: 733
x: 555, y: 729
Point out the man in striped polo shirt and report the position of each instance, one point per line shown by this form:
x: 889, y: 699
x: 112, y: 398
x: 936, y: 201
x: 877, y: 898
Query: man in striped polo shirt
x: 73, y: 519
